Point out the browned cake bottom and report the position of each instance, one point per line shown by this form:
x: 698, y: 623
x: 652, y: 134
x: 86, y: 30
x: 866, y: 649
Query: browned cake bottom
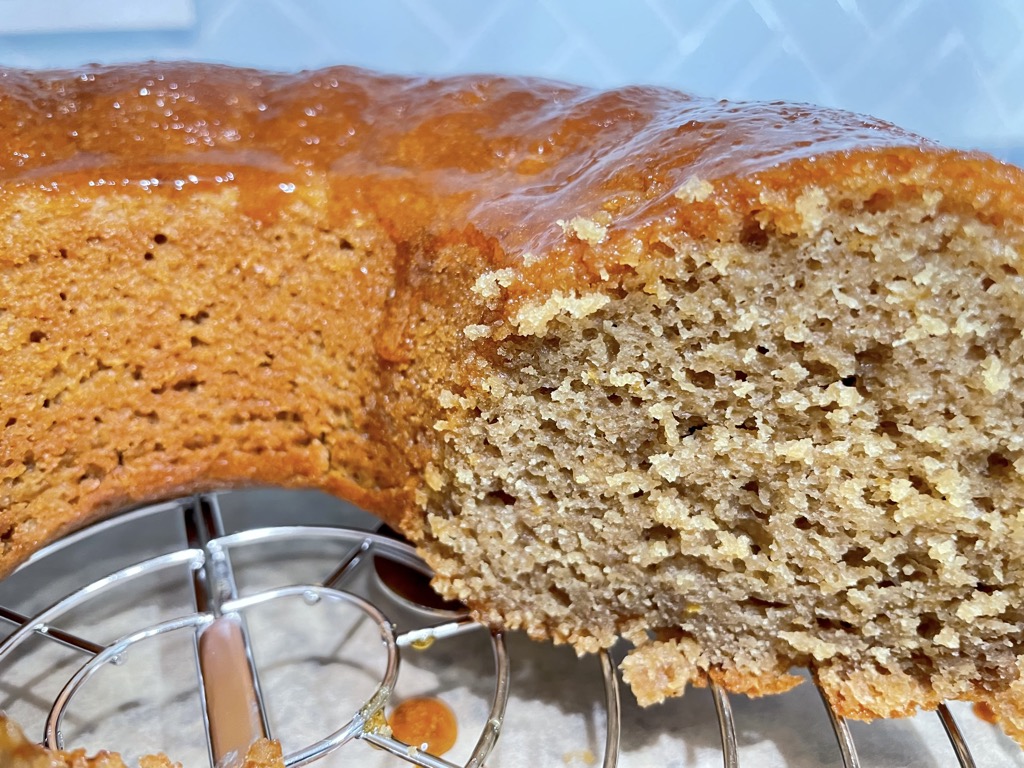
x: 16, y: 751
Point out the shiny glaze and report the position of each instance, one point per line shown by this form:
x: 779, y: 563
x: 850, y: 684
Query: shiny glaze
x: 509, y: 157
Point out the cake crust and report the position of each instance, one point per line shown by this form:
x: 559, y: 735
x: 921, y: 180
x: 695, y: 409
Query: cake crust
x: 415, y: 294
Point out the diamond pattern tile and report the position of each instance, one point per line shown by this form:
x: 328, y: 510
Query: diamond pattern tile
x: 947, y: 68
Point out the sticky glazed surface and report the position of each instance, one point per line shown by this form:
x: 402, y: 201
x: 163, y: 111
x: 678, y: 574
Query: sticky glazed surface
x: 740, y: 382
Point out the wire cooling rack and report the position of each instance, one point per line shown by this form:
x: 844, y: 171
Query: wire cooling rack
x: 232, y: 618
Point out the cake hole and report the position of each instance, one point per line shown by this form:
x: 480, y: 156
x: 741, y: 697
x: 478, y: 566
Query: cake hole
x: 660, y: 532
x: 833, y: 625
x: 92, y: 471
x: 802, y: 523
x: 985, y: 503
x: 560, y: 596
x: 873, y: 356
x: 147, y: 256
x: 856, y: 556
x: 753, y: 236
x: 198, y: 318
x: 976, y: 353
x: 929, y: 626
x: 702, y: 379
x: 159, y: 238
x: 819, y: 370
x: 757, y: 602
x: 997, y: 465
x: 889, y: 428
x: 922, y: 486
x: 501, y: 497
x: 695, y: 428
x: 36, y: 336
x: 658, y: 248
x: 880, y: 202
x: 151, y: 416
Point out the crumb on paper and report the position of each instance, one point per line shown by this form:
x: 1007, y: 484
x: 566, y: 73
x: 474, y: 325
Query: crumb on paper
x: 579, y: 757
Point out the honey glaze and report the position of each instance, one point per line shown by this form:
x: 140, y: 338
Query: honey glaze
x: 510, y: 156
x: 426, y: 723
x: 984, y: 712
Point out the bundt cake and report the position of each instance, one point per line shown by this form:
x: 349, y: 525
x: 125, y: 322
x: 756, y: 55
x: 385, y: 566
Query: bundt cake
x: 740, y: 383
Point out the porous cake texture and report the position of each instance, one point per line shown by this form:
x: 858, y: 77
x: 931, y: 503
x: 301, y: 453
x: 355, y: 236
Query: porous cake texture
x: 740, y: 383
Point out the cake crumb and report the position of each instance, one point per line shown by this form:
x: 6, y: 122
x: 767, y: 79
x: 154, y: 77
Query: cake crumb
x: 579, y: 757
x: 489, y: 284
x: 812, y: 207
x: 593, y: 231
x: 532, y: 319
x: 994, y: 376
x: 695, y: 190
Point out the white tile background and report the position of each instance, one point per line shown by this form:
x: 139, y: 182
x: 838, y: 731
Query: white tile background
x: 951, y: 69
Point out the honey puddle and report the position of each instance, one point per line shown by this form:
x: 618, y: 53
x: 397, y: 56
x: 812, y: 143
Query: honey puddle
x: 427, y: 723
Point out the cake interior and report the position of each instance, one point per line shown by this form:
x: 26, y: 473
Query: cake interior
x: 802, y: 448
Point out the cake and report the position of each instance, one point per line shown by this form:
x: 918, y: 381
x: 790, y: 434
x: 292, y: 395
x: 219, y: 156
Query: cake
x: 16, y: 751
x: 739, y: 383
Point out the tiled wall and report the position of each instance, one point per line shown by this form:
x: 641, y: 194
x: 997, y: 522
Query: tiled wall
x: 952, y: 69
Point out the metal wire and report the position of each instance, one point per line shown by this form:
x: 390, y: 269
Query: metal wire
x: 726, y: 726
x: 232, y: 724
x: 206, y: 559
x: 843, y: 736
x: 67, y: 639
x: 613, y: 710
x: 956, y: 739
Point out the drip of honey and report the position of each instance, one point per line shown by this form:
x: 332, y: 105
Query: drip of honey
x: 984, y: 712
x: 425, y: 722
